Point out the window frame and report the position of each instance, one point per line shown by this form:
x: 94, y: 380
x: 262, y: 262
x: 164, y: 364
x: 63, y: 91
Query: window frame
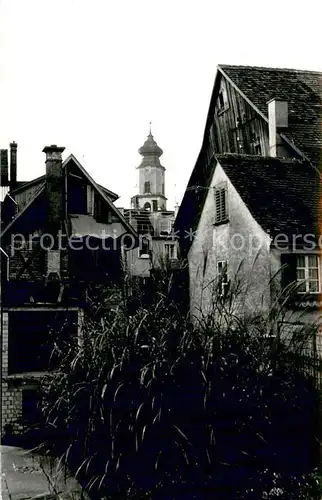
x: 222, y: 273
x: 53, y: 264
x: 144, y: 255
x: 147, y: 187
x: 165, y: 226
x: 257, y: 145
x: 222, y: 100
x: 174, y: 251
x: 307, y: 280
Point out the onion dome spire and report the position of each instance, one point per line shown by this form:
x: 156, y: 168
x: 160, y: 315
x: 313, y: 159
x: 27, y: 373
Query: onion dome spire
x: 150, y: 147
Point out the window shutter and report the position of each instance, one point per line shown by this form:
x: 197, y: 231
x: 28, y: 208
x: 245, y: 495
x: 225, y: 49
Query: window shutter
x: 223, y: 203
x: 288, y: 261
x: 220, y: 204
x: 217, y: 201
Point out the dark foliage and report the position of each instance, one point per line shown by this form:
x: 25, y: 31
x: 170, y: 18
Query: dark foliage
x: 150, y: 406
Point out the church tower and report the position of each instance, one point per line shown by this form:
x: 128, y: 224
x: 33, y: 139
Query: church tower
x: 151, y: 178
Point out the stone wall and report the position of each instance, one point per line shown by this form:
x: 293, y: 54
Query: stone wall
x: 14, y: 384
x: 11, y: 404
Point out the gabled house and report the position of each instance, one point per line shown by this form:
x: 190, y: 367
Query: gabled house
x: 62, y: 245
x: 252, y: 204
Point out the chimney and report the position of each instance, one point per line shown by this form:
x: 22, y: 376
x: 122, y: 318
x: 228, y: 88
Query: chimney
x: 277, y: 122
x: 54, y: 188
x: 4, y: 181
x: 13, y: 165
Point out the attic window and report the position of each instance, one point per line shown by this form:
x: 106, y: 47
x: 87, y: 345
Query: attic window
x: 221, y: 212
x: 222, y: 100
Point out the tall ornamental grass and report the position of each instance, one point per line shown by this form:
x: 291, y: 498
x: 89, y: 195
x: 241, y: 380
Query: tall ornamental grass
x: 148, y: 404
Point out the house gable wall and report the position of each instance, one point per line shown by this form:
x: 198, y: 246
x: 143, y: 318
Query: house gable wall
x: 236, y: 127
x: 241, y: 242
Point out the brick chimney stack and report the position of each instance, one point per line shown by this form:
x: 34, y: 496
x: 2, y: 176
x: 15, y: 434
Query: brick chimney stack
x: 13, y: 165
x: 54, y: 188
x: 277, y: 122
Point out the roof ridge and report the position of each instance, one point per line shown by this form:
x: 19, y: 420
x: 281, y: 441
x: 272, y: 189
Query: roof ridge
x: 269, y: 68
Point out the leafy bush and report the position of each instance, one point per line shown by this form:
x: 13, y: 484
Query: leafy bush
x: 148, y: 405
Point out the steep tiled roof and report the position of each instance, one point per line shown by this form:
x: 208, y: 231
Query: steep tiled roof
x: 281, y: 194
x: 21, y: 185
x: 301, y: 89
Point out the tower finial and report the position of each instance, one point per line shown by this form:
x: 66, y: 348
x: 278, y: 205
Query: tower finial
x: 150, y: 123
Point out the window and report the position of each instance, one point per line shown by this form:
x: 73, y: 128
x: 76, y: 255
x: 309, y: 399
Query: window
x: 221, y: 204
x: 222, y: 276
x: 165, y: 226
x: 147, y: 206
x: 76, y: 195
x: 163, y: 188
x: 155, y: 205
x: 147, y: 187
x: 308, y: 273
x: 170, y: 251
x: 222, y: 100
x: 53, y: 264
x: 257, y: 149
x: 33, y: 336
x: 144, y: 248
x: 98, y: 207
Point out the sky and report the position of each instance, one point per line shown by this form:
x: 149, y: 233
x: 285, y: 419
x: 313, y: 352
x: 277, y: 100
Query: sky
x: 90, y: 75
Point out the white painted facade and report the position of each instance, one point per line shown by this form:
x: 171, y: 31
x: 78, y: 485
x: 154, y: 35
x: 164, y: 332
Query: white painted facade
x: 241, y: 242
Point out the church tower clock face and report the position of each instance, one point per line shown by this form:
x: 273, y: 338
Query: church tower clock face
x: 147, y: 169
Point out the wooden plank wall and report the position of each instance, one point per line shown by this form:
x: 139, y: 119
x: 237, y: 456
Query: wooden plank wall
x: 236, y: 127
